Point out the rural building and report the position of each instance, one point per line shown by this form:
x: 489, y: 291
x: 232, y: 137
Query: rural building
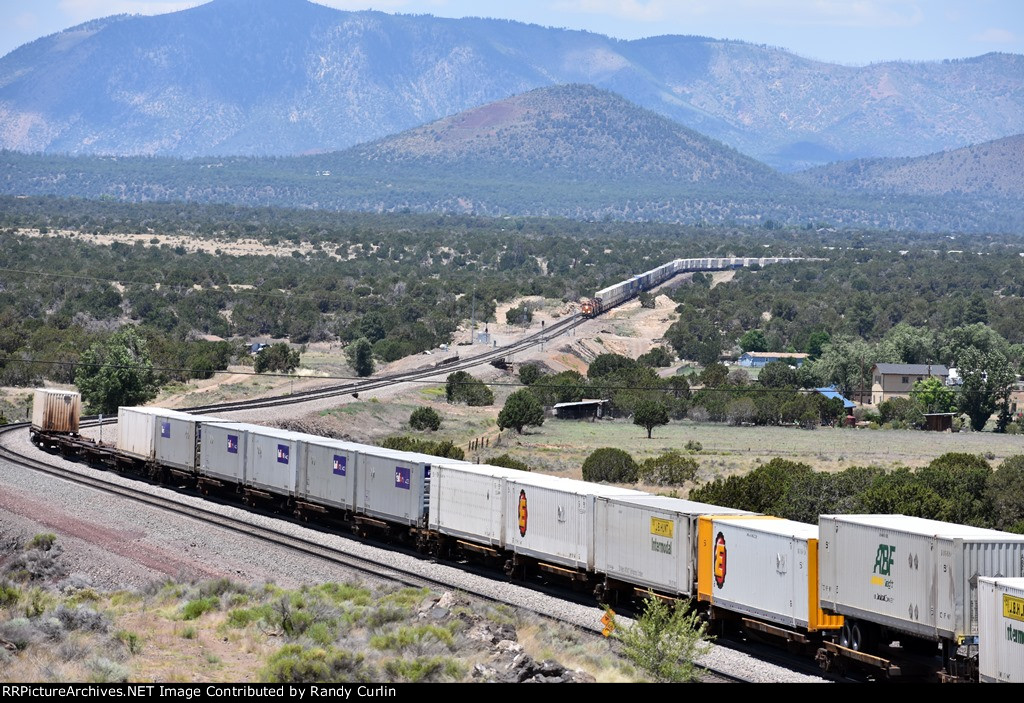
x: 758, y: 359
x: 831, y: 392
x: 582, y: 410
x: 897, y: 380
x: 939, y: 422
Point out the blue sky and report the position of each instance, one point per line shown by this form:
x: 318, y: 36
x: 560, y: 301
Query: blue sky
x: 841, y: 31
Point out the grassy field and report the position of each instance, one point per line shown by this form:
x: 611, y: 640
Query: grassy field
x: 561, y: 446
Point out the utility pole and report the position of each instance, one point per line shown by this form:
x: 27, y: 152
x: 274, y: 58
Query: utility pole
x: 472, y: 318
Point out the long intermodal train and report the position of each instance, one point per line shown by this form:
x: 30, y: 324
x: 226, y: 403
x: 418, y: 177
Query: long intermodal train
x: 607, y: 298
x: 892, y: 594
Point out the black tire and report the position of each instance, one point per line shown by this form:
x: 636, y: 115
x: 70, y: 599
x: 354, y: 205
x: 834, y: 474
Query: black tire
x: 857, y: 640
x: 844, y: 635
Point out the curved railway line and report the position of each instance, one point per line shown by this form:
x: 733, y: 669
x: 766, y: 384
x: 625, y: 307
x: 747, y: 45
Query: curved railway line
x: 309, y: 546
x: 461, y: 364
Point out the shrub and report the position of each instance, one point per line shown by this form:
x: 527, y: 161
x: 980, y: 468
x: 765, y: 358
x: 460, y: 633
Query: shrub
x: 425, y: 419
x: 509, y: 462
x: 20, y: 632
x: 445, y: 449
x: 418, y: 638
x: 131, y: 641
x: 42, y: 542
x: 693, y: 446
x: 665, y: 640
x: 9, y: 594
x: 195, y: 609
x: 658, y: 357
x: 81, y: 618
x: 424, y: 669
x: 295, y: 664
x: 102, y: 670
x: 610, y: 464
x: 905, y: 411
x: 669, y: 469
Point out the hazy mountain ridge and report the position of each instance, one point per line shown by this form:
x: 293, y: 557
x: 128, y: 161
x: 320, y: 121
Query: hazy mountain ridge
x: 992, y: 169
x: 288, y: 77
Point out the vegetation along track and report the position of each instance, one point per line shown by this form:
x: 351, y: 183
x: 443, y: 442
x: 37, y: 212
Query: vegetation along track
x: 545, y: 335
x: 310, y: 547
x: 280, y: 538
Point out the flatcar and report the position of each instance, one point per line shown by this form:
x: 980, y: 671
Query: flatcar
x: 889, y: 593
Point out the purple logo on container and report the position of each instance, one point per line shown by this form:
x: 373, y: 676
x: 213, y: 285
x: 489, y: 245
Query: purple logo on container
x: 426, y: 472
x: 340, y: 463
x: 165, y: 429
x: 232, y: 444
x: 403, y: 477
x: 282, y: 454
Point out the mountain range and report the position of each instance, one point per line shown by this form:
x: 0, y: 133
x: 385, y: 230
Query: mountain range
x: 289, y: 77
x: 570, y: 151
x: 991, y: 169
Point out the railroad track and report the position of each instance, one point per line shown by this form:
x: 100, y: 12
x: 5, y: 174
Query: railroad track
x: 545, y: 335
x: 311, y: 546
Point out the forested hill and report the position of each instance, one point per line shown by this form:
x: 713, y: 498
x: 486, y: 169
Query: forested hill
x: 285, y: 77
x: 575, y: 132
x: 992, y: 168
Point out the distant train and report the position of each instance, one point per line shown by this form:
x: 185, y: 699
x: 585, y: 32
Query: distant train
x: 895, y: 594
x: 607, y: 298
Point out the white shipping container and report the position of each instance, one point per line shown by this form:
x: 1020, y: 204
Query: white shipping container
x: 552, y: 518
x: 328, y: 473
x: 910, y: 574
x: 56, y: 410
x: 394, y: 486
x: 1001, y: 630
x: 135, y: 433
x: 159, y: 434
x: 222, y: 453
x: 177, y: 436
x: 467, y: 501
x: 651, y: 540
x: 764, y: 570
x: 271, y: 459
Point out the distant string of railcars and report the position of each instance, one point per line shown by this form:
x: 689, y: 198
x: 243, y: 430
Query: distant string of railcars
x: 607, y: 298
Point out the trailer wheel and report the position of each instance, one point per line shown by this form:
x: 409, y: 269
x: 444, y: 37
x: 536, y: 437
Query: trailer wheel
x: 844, y: 635
x: 860, y: 637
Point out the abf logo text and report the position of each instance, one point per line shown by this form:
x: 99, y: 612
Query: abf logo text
x: 884, y: 558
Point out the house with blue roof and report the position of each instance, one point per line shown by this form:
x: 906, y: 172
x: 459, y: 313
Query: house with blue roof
x: 831, y: 392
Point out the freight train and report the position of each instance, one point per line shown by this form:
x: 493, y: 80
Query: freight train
x: 607, y: 298
x: 894, y: 595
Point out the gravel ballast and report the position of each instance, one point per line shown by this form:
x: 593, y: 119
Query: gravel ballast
x: 117, y: 543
